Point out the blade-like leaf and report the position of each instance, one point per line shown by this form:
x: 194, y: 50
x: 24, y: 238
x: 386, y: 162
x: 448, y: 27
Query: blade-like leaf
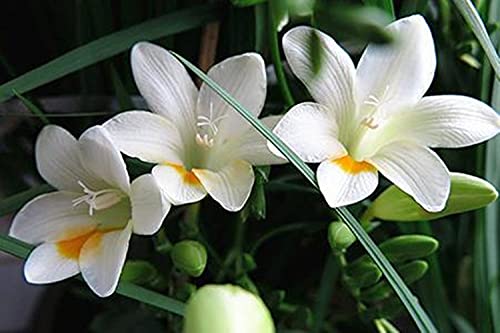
x: 107, y: 47
x: 13, y: 203
x: 471, y: 16
x: 417, y: 313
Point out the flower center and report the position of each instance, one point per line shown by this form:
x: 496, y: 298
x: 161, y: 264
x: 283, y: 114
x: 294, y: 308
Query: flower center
x: 208, y: 128
x: 371, y: 115
x: 374, y: 104
x: 98, y: 200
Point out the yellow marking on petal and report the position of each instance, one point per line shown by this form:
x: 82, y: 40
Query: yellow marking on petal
x: 70, y: 249
x: 187, y: 176
x: 350, y: 165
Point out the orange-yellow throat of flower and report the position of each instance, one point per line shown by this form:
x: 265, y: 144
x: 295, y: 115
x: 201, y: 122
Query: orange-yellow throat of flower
x: 351, y: 166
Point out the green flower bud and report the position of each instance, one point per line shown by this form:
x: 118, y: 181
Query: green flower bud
x: 410, y: 272
x: 189, y: 257
x: 143, y: 273
x: 339, y: 236
x: 408, y: 247
x: 467, y: 193
x: 226, y: 309
x: 363, y: 274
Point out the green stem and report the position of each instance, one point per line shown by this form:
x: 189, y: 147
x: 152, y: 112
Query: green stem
x: 239, y: 239
x: 276, y: 57
x: 190, y: 227
x: 325, y: 292
x: 234, y: 255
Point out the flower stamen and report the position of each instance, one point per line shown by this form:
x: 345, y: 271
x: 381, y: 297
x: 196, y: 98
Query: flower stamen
x: 207, y: 139
x: 97, y: 199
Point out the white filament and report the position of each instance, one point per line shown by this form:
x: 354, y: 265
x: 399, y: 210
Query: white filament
x: 97, y: 199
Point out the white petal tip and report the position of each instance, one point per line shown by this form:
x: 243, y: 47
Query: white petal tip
x: 140, y: 47
x: 434, y: 209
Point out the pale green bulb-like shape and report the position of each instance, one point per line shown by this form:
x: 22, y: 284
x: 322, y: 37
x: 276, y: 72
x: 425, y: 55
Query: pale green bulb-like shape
x: 226, y: 309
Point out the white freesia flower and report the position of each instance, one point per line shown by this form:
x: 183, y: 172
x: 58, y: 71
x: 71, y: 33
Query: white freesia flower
x: 375, y: 118
x: 86, y: 225
x: 199, y: 144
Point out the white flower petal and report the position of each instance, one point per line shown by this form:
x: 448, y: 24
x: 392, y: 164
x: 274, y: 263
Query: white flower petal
x: 52, y: 217
x: 230, y: 186
x: 417, y: 171
x: 102, y: 158
x: 311, y: 131
x: 145, y: 135
x: 178, y: 185
x: 46, y: 265
x: 343, y: 181
x: 448, y: 121
x: 149, y: 208
x: 399, y: 71
x: 57, y: 159
x: 332, y: 85
x: 244, y: 78
x: 252, y: 146
x: 165, y: 84
x: 102, y: 258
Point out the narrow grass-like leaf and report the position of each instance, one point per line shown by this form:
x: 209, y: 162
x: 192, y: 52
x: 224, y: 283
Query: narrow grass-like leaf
x: 13, y: 203
x: 487, y: 233
x: 33, y: 108
x: 21, y: 250
x: 491, y: 218
x: 109, y: 46
x: 407, y: 298
x: 471, y: 16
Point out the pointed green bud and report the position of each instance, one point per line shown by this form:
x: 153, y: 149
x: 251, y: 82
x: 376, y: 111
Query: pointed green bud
x: 410, y: 272
x: 339, y: 236
x: 189, y: 257
x: 363, y: 274
x: 408, y: 247
x: 226, y: 308
x: 467, y: 193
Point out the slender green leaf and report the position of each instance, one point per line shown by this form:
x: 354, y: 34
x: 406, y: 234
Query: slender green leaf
x: 13, y: 203
x: 471, y: 16
x: 21, y: 250
x: 109, y: 46
x: 487, y: 233
x: 491, y: 219
x: 461, y: 324
x: 33, y: 108
x: 417, y: 313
